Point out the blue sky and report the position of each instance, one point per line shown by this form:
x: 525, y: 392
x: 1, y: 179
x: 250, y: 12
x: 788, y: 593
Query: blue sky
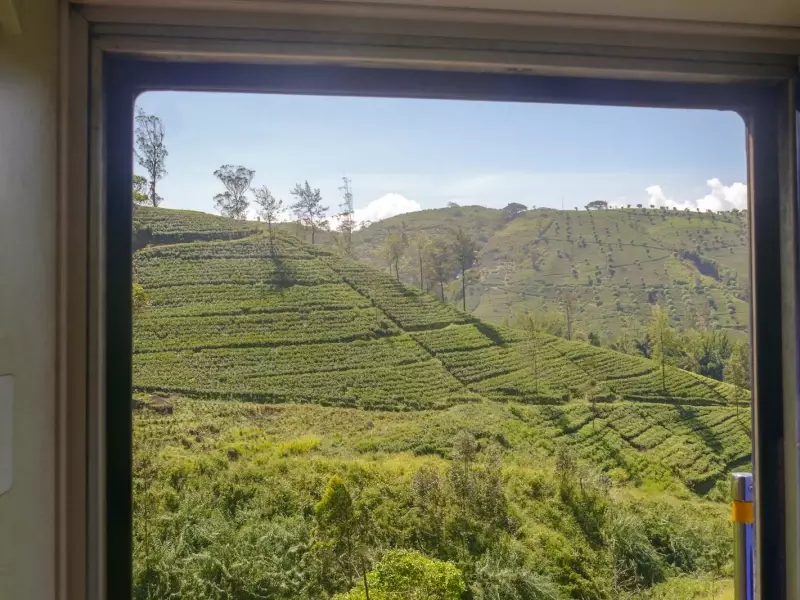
x: 403, y: 154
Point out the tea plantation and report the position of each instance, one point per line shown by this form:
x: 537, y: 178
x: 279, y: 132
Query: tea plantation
x: 297, y: 379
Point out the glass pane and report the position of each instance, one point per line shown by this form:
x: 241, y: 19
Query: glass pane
x: 406, y: 349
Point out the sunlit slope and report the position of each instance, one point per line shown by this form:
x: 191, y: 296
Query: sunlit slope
x: 614, y: 263
x: 297, y: 323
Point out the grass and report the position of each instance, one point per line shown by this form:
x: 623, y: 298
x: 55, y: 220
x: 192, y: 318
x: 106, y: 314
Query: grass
x: 289, y: 365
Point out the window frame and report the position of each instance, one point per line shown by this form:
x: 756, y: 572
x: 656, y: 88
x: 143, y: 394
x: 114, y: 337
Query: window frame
x: 100, y: 451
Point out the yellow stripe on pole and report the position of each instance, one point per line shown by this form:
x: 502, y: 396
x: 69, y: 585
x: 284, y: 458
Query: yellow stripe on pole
x: 742, y: 512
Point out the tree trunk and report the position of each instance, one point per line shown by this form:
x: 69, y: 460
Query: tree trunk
x: 366, y: 583
x: 464, y: 289
x: 397, y: 268
x: 441, y: 289
x: 421, y: 281
x: 271, y: 247
x: 313, y: 230
x: 153, y: 197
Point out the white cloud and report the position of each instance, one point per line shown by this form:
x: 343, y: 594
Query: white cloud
x: 721, y: 197
x: 388, y: 205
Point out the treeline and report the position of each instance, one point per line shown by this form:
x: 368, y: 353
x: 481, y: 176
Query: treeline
x: 438, y: 258
x: 707, y: 352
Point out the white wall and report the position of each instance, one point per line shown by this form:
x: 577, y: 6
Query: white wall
x: 28, y: 180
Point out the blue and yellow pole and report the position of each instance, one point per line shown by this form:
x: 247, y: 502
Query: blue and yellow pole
x: 743, y: 536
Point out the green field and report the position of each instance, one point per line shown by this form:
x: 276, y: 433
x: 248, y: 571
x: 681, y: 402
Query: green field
x: 538, y: 467
x: 614, y: 263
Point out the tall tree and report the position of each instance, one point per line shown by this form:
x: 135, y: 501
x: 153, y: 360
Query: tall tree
x: 439, y: 262
x: 140, y: 190
x: 308, y: 207
x: 421, y: 242
x: 347, y: 222
x: 151, y: 152
x: 568, y: 302
x: 662, y: 340
x: 233, y: 202
x: 533, y: 329
x: 269, y: 207
x: 393, y: 250
x: 345, y: 529
x: 464, y: 251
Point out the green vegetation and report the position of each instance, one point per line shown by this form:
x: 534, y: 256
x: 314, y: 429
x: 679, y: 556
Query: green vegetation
x: 613, y: 264
x: 330, y: 432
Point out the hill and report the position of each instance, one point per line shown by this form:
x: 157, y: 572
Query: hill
x: 288, y: 365
x: 612, y: 263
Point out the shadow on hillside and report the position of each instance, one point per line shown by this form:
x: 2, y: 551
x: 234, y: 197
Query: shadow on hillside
x: 690, y: 415
x: 282, y: 277
x: 490, y: 332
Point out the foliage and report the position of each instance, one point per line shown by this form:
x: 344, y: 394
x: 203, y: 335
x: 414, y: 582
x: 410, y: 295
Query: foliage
x: 140, y: 190
x: 150, y: 150
x: 269, y: 209
x: 308, y: 208
x: 233, y: 202
x: 394, y: 249
x: 597, y: 205
x: 408, y: 575
x: 326, y: 418
x: 514, y: 210
x: 139, y: 298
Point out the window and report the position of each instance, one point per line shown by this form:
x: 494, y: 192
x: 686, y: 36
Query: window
x: 484, y: 466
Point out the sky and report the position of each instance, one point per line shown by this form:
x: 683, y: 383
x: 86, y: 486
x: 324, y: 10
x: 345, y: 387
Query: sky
x: 403, y: 155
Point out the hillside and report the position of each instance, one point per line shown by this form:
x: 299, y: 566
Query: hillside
x: 287, y: 366
x: 613, y: 263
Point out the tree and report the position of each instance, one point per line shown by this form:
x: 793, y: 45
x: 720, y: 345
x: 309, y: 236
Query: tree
x: 513, y: 210
x: 344, y: 530
x: 269, y: 209
x: 568, y: 302
x: 662, y: 340
x: 439, y: 261
x: 393, y: 250
x: 308, y: 208
x: 533, y: 330
x: 140, y: 190
x: 233, y: 202
x: 464, y: 251
x: 597, y: 205
x: 737, y: 370
x: 151, y: 153
x: 346, y: 218
x: 421, y: 242
x: 453, y: 205
x: 138, y: 298
x: 407, y: 574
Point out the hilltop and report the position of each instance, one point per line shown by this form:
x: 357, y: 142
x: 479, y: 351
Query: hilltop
x: 288, y: 365
x: 612, y: 263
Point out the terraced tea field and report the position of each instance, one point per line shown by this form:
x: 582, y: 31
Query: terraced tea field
x: 293, y: 359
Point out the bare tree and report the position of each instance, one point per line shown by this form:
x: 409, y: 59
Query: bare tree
x: 464, y: 251
x: 347, y: 222
x: 269, y: 209
x: 151, y: 152
x: 233, y: 202
x: 421, y: 242
x: 308, y: 208
x: 568, y: 302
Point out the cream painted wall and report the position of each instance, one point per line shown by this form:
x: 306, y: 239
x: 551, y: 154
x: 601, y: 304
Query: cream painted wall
x: 28, y: 213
